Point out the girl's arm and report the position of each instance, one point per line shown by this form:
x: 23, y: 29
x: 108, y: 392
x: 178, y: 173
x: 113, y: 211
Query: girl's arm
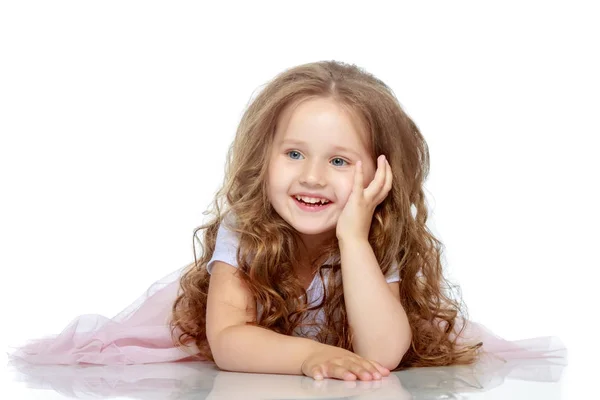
x: 246, y: 348
x: 375, y: 314
x: 237, y: 346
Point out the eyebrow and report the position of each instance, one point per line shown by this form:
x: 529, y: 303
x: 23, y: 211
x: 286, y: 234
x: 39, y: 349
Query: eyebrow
x: 291, y: 142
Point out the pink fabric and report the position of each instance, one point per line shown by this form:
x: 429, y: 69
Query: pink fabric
x: 137, y: 335
x: 140, y: 335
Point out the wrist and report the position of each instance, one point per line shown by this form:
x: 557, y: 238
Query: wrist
x: 352, y: 241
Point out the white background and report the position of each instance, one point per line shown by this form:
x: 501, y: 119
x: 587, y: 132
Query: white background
x: 115, y: 119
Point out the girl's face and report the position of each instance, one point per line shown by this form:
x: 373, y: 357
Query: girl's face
x: 311, y: 166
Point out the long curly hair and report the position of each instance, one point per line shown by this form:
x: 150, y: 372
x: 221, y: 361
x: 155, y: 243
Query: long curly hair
x: 268, y: 245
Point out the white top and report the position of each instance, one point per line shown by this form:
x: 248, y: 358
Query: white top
x: 226, y: 251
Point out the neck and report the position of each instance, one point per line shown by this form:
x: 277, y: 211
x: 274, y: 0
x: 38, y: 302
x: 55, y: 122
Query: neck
x: 310, y: 245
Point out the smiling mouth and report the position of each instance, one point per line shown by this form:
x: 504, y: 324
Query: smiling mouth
x: 311, y: 203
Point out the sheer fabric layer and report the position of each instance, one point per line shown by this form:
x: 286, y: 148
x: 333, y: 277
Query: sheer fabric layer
x: 140, y: 334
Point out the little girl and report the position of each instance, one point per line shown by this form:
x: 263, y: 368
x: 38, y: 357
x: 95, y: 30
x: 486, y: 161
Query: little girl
x: 317, y: 260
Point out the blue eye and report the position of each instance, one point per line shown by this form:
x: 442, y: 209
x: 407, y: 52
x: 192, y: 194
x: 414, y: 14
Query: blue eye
x: 339, y: 162
x: 294, y: 155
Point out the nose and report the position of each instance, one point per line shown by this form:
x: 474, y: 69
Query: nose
x: 313, y: 174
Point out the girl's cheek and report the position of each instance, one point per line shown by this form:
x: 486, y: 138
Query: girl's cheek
x: 344, y: 191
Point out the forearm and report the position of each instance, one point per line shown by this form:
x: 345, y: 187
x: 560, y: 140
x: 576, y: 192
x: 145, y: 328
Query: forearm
x: 247, y: 348
x: 378, y: 320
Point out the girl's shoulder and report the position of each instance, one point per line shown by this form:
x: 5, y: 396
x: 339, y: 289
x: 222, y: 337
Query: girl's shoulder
x: 226, y: 244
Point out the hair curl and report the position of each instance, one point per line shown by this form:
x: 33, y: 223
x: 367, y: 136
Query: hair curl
x: 266, y: 250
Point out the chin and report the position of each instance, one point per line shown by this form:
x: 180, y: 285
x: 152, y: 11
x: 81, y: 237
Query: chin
x: 312, y: 230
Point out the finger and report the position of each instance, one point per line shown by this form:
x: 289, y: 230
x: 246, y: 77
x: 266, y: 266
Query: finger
x: 361, y: 370
x: 317, y: 373
x: 372, y: 368
x: 358, y: 178
x: 382, y: 370
x: 378, y: 180
x: 340, y: 372
x: 387, y: 186
x: 389, y: 177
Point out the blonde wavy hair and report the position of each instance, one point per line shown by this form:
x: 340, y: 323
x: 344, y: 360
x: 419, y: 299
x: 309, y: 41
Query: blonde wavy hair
x: 268, y: 245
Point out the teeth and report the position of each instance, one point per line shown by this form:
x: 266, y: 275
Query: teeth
x: 312, y: 200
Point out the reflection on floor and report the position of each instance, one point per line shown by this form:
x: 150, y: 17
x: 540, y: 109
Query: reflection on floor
x: 202, y: 380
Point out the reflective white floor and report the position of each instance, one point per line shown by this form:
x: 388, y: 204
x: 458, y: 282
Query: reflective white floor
x: 199, y: 380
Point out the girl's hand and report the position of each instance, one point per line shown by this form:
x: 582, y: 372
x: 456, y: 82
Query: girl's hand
x: 338, y: 363
x: 355, y: 219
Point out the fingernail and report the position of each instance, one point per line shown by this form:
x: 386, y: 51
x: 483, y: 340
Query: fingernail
x: 377, y: 375
x: 318, y: 377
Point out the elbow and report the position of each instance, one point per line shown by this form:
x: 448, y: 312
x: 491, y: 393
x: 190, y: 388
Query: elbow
x: 223, y: 365
x: 391, y: 366
x: 389, y: 358
x: 392, y: 358
x: 217, y: 355
x: 217, y: 343
x: 223, y: 359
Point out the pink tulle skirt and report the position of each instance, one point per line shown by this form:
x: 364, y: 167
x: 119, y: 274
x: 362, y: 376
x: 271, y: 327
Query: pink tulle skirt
x: 140, y: 334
